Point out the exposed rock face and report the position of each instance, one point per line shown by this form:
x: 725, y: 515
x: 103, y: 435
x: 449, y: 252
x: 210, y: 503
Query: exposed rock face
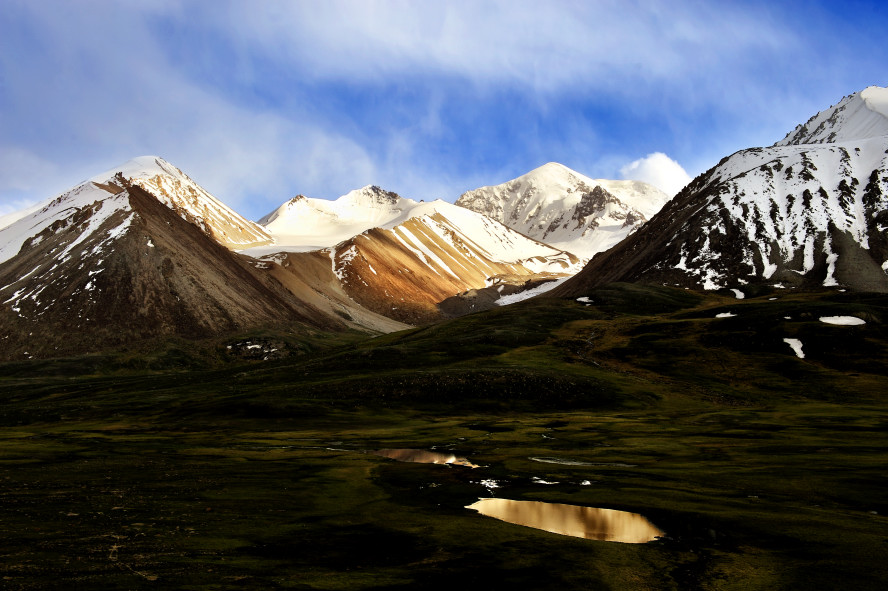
x: 810, y: 211
x: 561, y: 207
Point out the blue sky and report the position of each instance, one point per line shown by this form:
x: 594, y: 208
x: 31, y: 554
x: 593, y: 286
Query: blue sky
x: 259, y: 101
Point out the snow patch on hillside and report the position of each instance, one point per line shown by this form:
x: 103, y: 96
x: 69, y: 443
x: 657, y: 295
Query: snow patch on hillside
x: 787, y: 202
x: 842, y: 320
x: 527, y: 294
x: 796, y: 346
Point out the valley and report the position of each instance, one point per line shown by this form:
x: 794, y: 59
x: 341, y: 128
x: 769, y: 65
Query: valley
x: 763, y: 469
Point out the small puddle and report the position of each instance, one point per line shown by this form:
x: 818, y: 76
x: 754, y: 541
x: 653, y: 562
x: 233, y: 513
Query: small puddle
x: 570, y: 462
x: 590, y: 523
x: 421, y: 456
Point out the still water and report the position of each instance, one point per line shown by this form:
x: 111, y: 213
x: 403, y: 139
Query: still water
x: 422, y: 456
x: 571, y: 520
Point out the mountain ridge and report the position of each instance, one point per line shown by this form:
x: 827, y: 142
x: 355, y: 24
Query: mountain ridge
x: 859, y: 115
x: 404, y: 269
x: 809, y: 215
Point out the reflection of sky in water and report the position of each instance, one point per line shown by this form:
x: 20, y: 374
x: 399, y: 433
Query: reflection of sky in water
x: 422, y: 456
x: 571, y: 520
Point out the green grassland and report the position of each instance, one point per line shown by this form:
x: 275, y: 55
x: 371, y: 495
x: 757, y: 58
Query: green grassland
x: 186, y: 468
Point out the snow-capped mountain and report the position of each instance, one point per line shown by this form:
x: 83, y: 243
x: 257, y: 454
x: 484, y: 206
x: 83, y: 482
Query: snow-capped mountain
x: 400, y: 257
x: 561, y: 207
x: 104, y: 194
x: 133, y: 253
x: 405, y: 268
x: 176, y: 190
x: 811, y: 210
x: 305, y: 224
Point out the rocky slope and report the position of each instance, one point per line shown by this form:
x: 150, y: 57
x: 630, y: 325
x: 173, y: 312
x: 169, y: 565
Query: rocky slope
x: 405, y: 269
x: 809, y: 211
x: 561, y: 207
x: 135, y: 253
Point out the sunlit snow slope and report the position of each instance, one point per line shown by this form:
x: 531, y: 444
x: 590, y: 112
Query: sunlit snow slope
x: 188, y: 199
x: 304, y: 224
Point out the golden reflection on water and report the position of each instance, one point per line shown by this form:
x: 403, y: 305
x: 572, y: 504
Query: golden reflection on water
x: 422, y: 456
x: 571, y: 520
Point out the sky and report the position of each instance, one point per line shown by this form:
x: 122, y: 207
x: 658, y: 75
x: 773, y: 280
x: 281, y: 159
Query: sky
x: 261, y: 101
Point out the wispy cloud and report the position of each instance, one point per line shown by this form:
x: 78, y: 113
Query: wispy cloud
x: 550, y: 46
x: 113, y: 93
x: 258, y: 101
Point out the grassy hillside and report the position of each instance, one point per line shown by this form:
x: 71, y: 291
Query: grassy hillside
x: 196, y: 468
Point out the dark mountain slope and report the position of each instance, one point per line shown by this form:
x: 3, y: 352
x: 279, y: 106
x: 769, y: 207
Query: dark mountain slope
x: 142, y: 272
x: 806, y: 215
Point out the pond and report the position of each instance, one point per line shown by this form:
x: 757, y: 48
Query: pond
x: 422, y: 456
x: 590, y: 523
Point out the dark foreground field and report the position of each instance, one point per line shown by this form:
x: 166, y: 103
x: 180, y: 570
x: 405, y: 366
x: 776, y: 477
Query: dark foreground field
x: 766, y: 471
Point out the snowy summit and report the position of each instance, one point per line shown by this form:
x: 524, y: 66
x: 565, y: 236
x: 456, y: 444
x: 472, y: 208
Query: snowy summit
x: 566, y: 209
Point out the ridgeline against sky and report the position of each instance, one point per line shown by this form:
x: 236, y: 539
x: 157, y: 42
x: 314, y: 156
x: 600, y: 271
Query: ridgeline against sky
x: 265, y: 101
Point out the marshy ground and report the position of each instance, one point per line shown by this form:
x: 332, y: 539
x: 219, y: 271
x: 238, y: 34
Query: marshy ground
x: 765, y: 470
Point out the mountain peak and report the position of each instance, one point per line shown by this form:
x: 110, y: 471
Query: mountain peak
x: 306, y: 223
x: 858, y: 116
x: 552, y: 173
x: 566, y: 209
x: 372, y: 194
x: 140, y: 167
x: 108, y: 192
x: 551, y: 167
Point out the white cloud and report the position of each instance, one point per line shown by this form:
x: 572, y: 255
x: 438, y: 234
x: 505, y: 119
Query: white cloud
x: 237, y: 93
x: 659, y: 170
x: 551, y: 46
x: 136, y: 100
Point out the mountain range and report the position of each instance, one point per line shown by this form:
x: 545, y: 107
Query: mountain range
x: 400, y: 257
x: 143, y: 252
